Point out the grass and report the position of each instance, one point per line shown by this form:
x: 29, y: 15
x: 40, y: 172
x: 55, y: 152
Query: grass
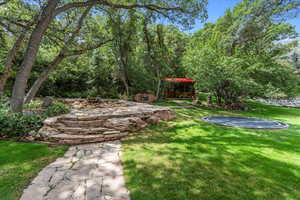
x: 20, y: 163
x: 188, y: 159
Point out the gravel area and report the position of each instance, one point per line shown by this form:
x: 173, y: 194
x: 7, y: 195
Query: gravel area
x: 293, y: 102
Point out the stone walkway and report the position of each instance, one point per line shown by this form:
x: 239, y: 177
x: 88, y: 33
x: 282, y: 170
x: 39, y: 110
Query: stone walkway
x: 86, y: 172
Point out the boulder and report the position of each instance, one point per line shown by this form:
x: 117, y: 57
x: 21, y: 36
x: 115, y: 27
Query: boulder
x: 34, y: 134
x: 125, y: 124
x: 165, y: 115
x: 153, y: 120
x: 145, y: 98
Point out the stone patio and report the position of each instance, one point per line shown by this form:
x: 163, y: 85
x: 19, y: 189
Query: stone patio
x: 86, y: 172
x: 103, y: 121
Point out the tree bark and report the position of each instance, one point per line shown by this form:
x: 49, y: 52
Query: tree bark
x: 30, y: 56
x: 158, y: 88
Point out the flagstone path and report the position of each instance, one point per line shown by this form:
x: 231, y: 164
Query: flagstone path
x: 86, y: 172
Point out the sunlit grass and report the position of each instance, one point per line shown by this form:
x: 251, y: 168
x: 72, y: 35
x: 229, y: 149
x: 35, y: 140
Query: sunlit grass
x: 20, y: 162
x: 188, y: 159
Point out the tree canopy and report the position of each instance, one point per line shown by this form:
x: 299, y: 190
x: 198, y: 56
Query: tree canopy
x: 238, y: 56
x: 116, y: 48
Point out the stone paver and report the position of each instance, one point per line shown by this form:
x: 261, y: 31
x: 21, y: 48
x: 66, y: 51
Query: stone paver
x: 86, y: 172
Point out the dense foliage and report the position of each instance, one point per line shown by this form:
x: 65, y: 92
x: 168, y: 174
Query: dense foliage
x: 16, y: 125
x: 140, y: 51
x: 119, y: 49
x: 239, y: 55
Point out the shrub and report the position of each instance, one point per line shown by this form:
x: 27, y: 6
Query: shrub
x: 33, y: 105
x: 15, y: 125
x: 57, y: 108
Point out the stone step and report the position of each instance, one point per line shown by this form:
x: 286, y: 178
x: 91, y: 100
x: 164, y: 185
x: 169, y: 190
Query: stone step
x: 89, y: 118
x: 90, y: 124
x: 83, y: 131
x: 81, y: 139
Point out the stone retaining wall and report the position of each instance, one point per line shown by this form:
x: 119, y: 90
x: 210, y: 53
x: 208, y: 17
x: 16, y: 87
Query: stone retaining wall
x: 97, y: 124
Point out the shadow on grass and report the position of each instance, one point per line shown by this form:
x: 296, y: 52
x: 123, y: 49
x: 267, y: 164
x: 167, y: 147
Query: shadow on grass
x: 20, y: 162
x: 192, y: 160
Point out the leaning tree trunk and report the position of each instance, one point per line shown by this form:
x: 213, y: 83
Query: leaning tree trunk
x: 30, y: 56
x: 57, y: 60
x: 54, y: 64
x: 9, y: 61
x: 42, y: 78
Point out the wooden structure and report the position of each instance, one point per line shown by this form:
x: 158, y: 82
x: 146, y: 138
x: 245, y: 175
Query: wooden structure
x: 179, y: 88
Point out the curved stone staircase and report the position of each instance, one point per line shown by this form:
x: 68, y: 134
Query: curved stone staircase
x: 102, y: 124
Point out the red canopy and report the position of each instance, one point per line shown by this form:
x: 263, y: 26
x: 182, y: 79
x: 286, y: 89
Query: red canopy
x: 179, y: 80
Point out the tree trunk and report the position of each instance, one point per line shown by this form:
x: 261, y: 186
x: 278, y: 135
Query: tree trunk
x: 158, y: 89
x: 9, y: 61
x: 125, y: 83
x: 54, y: 64
x: 158, y: 76
x: 30, y: 56
x: 42, y: 78
x: 57, y: 60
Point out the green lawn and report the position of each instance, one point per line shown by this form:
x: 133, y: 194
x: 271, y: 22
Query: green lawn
x: 20, y: 162
x: 187, y: 159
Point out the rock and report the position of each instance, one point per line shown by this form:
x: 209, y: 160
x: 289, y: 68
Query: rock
x: 34, y: 134
x: 125, y: 124
x: 291, y: 102
x: 91, y: 124
x: 47, y: 102
x: 153, y: 120
x: 29, y: 138
x: 165, y: 115
x: 106, y: 121
x: 145, y: 98
x: 83, y: 131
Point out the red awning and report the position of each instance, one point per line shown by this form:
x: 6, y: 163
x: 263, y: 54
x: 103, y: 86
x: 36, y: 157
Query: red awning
x: 179, y: 80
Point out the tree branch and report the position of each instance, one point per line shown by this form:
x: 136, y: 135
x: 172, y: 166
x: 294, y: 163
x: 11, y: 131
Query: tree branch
x: 84, y: 50
x: 113, y: 5
x: 3, y: 2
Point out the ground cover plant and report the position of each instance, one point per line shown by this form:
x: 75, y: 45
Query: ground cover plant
x: 15, y: 125
x: 189, y: 159
x: 20, y: 163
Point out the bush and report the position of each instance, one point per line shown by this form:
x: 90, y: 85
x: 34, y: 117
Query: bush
x: 57, y: 108
x: 33, y: 105
x: 15, y: 125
